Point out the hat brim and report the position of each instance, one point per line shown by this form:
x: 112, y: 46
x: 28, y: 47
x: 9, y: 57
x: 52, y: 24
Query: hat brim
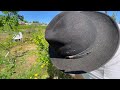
x: 104, y: 48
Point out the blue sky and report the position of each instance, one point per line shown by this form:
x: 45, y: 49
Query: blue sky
x: 41, y: 16
x: 47, y: 16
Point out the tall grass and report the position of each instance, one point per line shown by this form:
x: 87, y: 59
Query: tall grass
x: 16, y: 65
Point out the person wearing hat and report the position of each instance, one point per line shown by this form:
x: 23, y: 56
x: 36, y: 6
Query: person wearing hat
x: 85, y: 43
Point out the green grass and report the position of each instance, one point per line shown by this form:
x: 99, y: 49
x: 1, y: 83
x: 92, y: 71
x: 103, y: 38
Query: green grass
x: 28, y: 59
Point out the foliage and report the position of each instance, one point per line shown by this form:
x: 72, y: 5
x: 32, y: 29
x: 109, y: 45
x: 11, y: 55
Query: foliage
x: 9, y: 21
x: 114, y: 16
x: 8, y: 24
x: 19, y: 63
x: 35, y: 21
x: 1, y: 18
x: 39, y: 39
x: 16, y: 60
x: 25, y: 21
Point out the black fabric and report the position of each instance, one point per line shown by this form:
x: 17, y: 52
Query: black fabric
x: 93, y: 36
x: 76, y: 72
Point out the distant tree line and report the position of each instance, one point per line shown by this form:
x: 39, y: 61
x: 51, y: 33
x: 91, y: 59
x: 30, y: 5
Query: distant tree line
x: 37, y: 22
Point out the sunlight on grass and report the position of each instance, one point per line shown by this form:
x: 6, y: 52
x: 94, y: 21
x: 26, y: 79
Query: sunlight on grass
x: 28, y: 59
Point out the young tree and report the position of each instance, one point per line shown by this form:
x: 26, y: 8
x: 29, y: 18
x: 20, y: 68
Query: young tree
x: 10, y: 20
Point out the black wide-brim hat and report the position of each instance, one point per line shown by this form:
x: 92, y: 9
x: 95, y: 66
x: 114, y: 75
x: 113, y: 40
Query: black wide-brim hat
x: 81, y: 41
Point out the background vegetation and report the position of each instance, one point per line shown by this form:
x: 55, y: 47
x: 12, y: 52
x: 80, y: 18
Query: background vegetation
x: 26, y: 59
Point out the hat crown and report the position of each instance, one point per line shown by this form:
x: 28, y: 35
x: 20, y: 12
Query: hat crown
x: 87, y: 40
x: 72, y: 34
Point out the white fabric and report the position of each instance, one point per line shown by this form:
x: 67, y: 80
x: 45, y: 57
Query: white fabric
x: 111, y: 70
x: 19, y: 36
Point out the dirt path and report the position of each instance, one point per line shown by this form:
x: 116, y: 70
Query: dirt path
x: 26, y: 60
x: 23, y: 48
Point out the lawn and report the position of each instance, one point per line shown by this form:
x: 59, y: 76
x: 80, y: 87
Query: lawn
x: 28, y: 59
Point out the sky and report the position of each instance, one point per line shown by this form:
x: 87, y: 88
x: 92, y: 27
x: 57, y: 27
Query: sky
x: 47, y: 16
x: 41, y: 16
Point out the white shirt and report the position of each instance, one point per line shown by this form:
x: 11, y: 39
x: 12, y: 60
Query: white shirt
x: 111, y: 70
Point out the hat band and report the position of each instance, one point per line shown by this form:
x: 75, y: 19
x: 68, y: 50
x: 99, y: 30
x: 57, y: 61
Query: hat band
x: 79, y: 55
